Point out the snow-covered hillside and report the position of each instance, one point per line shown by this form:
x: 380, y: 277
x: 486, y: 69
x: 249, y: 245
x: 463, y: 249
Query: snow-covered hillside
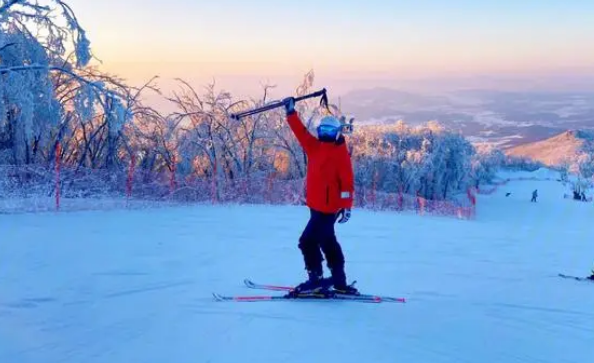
x: 135, y: 285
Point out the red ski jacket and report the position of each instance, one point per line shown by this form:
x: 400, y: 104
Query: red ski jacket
x: 329, y: 181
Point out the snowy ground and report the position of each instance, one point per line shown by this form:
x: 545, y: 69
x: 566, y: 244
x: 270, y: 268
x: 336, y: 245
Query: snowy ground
x: 135, y: 285
x: 48, y: 204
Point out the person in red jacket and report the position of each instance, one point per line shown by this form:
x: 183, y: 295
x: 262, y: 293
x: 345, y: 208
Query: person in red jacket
x: 329, y: 196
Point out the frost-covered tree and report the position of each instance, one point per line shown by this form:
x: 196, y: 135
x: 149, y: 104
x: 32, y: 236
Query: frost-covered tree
x: 586, y: 158
x: 426, y: 160
x: 586, y: 165
x: 521, y: 163
x: 43, y: 48
x: 28, y: 107
x: 210, y: 142
x: 207, y: 137
x: 27, y: 104
x: 485, y: 163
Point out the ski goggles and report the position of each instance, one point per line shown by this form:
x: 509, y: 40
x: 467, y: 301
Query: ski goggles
x: 328, y: 131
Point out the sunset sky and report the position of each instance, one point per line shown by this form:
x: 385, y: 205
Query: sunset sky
x: 348, y: 43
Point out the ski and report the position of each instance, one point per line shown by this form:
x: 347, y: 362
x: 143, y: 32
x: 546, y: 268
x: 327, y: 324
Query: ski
x: 578, y: 278
x: 303, y: 297
x: 253, y: 285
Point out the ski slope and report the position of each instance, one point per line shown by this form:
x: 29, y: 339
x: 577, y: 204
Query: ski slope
x: 128, y: 286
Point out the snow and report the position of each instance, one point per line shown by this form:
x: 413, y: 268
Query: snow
x: 48, y: 204
x: 493, y: 141
x: 124, y: 286
x: 540, y: 174
x: 491, y: 118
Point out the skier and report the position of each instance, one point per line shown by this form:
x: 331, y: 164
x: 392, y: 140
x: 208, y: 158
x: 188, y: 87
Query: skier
x: 591, y: 277
x: 329, y: 196
x: 534, y: 195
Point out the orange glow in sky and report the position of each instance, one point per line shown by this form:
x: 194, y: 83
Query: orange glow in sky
x: 242, y: 42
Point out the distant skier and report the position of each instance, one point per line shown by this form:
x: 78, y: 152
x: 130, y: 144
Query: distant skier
x: 576, y: 195
x: 534, y: 195
x: 329, y: 188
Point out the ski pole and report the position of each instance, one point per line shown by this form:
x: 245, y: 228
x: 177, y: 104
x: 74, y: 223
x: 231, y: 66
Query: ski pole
x: 323, y: 101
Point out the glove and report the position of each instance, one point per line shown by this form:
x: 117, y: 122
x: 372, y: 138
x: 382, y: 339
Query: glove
x: 289, y: 103
x: 343, y: 215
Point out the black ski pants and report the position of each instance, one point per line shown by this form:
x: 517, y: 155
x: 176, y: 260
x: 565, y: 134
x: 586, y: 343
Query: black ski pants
x: 319, y: 237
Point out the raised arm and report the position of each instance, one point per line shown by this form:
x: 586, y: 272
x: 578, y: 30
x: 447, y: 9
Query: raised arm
x: 306, y: 140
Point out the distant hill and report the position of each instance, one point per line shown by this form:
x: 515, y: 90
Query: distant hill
x: 553, y: 151
x: 501, y: 118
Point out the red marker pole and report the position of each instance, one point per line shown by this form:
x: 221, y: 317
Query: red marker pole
x: 58, y: 159
x: 173, y: 168
x: 130, y: 176
x: 214, y: 183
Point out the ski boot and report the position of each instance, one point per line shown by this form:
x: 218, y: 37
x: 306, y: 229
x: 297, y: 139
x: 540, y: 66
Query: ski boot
x: 316, y: 284
x: 346, y: 289
x: 591, y: 277
x: 340, y: 285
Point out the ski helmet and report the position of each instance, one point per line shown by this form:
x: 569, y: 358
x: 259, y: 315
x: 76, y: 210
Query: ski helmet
x: 329, y: 129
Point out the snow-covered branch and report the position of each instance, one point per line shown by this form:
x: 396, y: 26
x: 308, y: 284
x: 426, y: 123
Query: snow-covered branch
x: 4, y: 8
x: 6, y: 46
x: 97, y: 87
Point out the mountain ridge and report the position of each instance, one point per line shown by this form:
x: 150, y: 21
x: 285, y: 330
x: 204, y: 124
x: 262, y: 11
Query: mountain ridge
x: 565, y: 147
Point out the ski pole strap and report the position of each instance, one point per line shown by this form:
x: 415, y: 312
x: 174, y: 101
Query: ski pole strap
x: 324, y: 101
